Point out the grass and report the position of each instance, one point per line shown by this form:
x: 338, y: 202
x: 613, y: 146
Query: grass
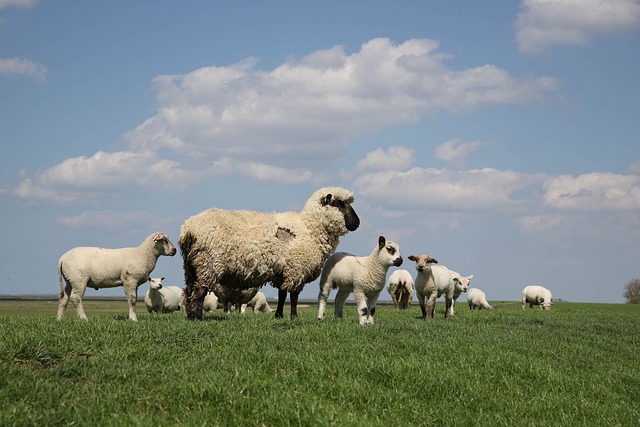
x: 573, y: 365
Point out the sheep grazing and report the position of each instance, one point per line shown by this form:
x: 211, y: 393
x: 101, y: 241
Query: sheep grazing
x: 477, y: 299
x: 108, y: 268
x: 162, y: 299
x: 432, y: 281
x: 400, y: 287
x: 364, y: 276
x: 246, y: 249
x: 259, y: 303
x: 536, y: 295
x: 210, y: 302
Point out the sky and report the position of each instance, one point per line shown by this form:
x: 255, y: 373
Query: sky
x: 502, y: 140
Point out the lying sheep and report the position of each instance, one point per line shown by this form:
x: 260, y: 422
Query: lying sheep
x: 400, y: 287
x: 162, y: 299
x: 461, y: 285
x: 536, y: 295
x: 108, y: 268
x: 432, y: 281
x: 477, y: 299
x: 246, y: 249
x: 364, y: 276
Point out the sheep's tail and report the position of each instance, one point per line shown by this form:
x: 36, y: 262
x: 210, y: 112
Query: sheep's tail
x: 60, y: 278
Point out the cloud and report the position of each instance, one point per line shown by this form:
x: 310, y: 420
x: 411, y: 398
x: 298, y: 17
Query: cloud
x: 24, y: 67
x: 442, y: 189
x: 544, y: 23
x: 261, y: 172
x: 311, y: 107
x: 393, y: 158
x: 16, y: 3
x: 455, y: 152
x: 599, y: 191
x: 108, y: 220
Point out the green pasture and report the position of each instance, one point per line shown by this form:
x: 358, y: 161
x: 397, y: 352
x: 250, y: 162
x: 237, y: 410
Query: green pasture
x: 575, y: 365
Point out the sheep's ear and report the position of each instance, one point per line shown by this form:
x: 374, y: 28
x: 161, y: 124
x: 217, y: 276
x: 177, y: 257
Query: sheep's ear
x: 433, y: 260
x: 470, y: 276
x: 326, y: 199
x: 162, y: 278
x: 159, y: 236
x: 412, y: 258
x: 381, y: 242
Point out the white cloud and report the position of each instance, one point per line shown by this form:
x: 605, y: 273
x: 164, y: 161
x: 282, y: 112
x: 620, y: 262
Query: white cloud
x: 261, y: 172
x: 455, y: 151
x: 442, y: 189
x: 311, y: 107
x: 23, y: 67
x: 393, y: 158
x: 108, y: 220
x: 598, y: 191
x: 544, y: 23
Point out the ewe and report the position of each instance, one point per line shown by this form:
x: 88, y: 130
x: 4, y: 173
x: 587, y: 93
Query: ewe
x: 228, y: 251
x: 108, y: 268
x: 364, y: 276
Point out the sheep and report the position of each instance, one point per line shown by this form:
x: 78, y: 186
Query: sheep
x: 233, y: 299
x: 432, y: 281
x: 235, y: 250
x: 536, y: 295
x: 259, y: 303
x: 477, y: 299
x: 210, y: 302
x: 364, y: 276
x: 108, y: 268
x: 162, y: 299
x: 400, y: 286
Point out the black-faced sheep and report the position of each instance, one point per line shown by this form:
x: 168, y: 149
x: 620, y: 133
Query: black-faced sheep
x: 109, y: 268
x: 246, y: 249
x: 400, y: 287
x: 364, y: 276
x: 162, y: 299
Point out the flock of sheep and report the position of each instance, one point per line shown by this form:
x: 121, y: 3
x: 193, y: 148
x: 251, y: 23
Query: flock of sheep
x: 229, y: 255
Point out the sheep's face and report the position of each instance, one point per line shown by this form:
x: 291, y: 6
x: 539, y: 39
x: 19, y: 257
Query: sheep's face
x: 351, y: 220
x: 462, y: 283
x: 389, y: 252
x: 545, y: 305
x: 423, y: 262
x: 155, y: 283
x: 164, y: 245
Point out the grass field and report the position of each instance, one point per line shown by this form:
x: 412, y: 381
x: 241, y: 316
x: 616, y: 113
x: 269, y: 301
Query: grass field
x: 574, y: 365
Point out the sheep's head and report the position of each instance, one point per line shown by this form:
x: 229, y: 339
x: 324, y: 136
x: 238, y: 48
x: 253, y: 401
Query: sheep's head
x: 545, y: 305
x: 164, y: 245
x: 331, y: 207
x: 351, y: 220
x: 423, y: 262
x: 389, y: 252
x: 462, y: 282
x: 155, y: 283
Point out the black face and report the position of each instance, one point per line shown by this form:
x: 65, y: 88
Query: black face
x: 351, y: 220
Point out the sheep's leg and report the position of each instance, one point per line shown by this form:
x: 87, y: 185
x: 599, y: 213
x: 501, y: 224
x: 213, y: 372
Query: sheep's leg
x: 323, y: 296
x: 282, y: 297
x: 341, y: 298
x: 76, y: 299
x: 194, y: 298
x: 449, y: 307
x: 371, y: 302
x: 363, y: 309
x: 64, y: 300
x: 431, y: 305
x: 423, y: 307
x: 294, y: 303
x: 453, y: 306
x: 132, y: 296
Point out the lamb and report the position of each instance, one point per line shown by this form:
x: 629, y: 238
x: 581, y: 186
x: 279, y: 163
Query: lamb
x: 162, y: 299
x: 259, y: 303
x: 227, y: 251
x: 210, y: 302
x: 432, y: 281
x: 364, y: 276
x: 536, y: 295
x: 109, y: 268
x: 400, y: 286
x: 477, y: 299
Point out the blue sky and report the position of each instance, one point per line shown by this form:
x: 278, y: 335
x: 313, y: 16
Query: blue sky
x: 502, y: 140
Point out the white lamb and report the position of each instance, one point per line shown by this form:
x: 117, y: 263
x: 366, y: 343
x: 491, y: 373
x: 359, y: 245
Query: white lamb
x: 432, y: 281
x: 400, y: 286
x: 364, y: 276
x: 536, y: 295
x: 210, y: 302
x: 109, y: 268
x: 259, y: 303
x: 227, y: 251
x: 477, y: 299
x: 162, y: 299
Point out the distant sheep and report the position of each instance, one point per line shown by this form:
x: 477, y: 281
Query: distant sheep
x: 536, y: 295
x: 364, y: 276
x: 234, y: 300
x: 210, y: 302
x: 400, y: 286
x: 162, y: 299
x: 228, y: 251
x: 432, y: 281
x: 259, y: 303
x: 109, y: 268
x: 477, y: 299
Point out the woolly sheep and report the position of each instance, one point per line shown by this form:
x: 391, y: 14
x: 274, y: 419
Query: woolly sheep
x: 400, y: 287
x: 536, y: 295
x: 109, y: 268
x: 246, y: 249
x: 364, y: 276
x: 477, y: 299
x: 432, y: 281
x: 162, y: 299
x: 461, y: 285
